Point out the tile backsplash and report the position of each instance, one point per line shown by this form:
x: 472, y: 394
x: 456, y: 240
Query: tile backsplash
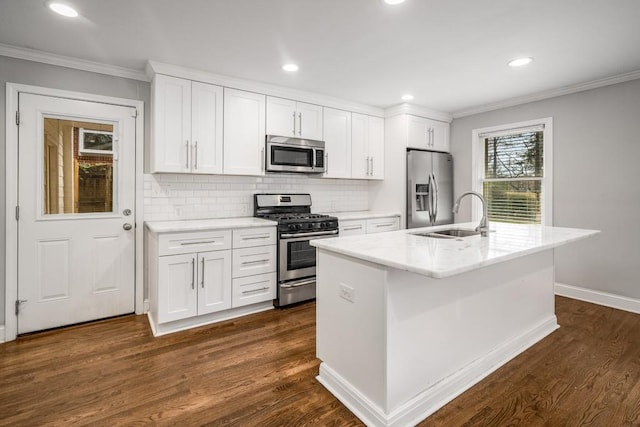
x: 178, y: 196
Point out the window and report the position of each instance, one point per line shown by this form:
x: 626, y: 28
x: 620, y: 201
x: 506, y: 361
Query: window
x: 512, y: 169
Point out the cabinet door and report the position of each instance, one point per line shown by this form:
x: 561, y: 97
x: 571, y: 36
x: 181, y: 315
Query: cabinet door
x: 214, y: 281
x: 337, y: 139
x: 418, y: 132
x: 171, y: 124
x: 281, y: 117
x: 177, y: 294
x: 440, y: 136
x: 376, y: 147
x: 206, y: 128
x: 359, y: 146
x: 244, y: 132
x: 309, y: 121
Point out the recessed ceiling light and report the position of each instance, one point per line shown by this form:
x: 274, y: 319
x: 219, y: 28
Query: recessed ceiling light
x: 290, y: 67
x: 63, y: 9
x: 519, y: 62
x: 407, y: 97
x: 393, y: 2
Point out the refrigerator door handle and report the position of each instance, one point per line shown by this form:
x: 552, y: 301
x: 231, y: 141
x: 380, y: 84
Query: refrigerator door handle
x: 435, y: 198
x: 430, y: 201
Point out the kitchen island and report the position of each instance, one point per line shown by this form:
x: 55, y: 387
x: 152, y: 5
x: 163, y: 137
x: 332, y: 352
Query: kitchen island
x: 405, y: 323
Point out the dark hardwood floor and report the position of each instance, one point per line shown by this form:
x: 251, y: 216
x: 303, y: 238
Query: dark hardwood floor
x: 260, y: 371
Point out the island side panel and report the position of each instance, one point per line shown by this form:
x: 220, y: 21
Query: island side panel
x: 444, y: 335
x: 351, y: 334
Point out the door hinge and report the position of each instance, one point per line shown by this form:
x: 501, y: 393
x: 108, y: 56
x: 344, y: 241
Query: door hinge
x: 18, y: 303
x: 17, y: 213
x: 17, y: 118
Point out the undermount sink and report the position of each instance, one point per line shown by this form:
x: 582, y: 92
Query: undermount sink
x: 448, y: 234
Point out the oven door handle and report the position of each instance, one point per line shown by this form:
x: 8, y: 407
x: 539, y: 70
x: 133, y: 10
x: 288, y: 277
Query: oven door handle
x: 315, y: 233
x: 297, y: 284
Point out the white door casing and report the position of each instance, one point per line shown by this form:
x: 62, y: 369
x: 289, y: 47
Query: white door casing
x: 54, y: 257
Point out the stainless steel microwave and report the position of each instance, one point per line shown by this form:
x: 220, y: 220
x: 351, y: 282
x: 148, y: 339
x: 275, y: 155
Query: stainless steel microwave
x: 285, y: 154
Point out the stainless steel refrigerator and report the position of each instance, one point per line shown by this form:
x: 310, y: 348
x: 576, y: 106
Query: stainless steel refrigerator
x: 429, y: 188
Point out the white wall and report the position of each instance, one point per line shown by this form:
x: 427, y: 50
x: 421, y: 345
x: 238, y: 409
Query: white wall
x: 596, y: 139
x: 181, y: 196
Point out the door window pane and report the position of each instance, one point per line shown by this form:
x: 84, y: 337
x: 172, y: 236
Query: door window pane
x: 78, y: 168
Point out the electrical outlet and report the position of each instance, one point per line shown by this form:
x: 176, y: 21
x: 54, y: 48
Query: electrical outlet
x: 347, y: 292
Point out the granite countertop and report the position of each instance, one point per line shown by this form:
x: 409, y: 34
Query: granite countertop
x: 346, y: 216
x: 439, y: 258
x: 207, y: 224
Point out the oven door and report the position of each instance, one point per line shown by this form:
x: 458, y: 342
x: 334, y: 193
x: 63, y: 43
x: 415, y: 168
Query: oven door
x: 290, y: 158
x: 296, y: 257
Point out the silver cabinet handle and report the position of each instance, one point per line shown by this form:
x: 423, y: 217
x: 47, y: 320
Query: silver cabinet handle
x: 294, y: 123
x: 193, y: 273
x: 386, y: 224
x: 250, y: 291
x: 257, y: 261
x: 202, y: 281
x: 371, y: 165
x: 357, y: 227
x: 203, y: 242
x: 367, y: 160
x: 300, y: 127
x: 186, y: 164
x: 262, y: 166
x: 195, y: 164
x: 127, y: 226
x: 265, y: 236
x: 326, y: 163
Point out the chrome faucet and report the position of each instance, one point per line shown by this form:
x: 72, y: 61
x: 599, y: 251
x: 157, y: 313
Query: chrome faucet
x: 483, y: 227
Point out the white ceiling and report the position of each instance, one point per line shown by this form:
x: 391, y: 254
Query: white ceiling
x: 451, y: 54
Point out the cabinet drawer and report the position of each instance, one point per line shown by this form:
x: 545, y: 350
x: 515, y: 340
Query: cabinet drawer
x: 378, y: 225
x: 193, y: 241
x: 253, y: 289
x: 251, y: 261
x: 248, y: 237
x: 352, y: 227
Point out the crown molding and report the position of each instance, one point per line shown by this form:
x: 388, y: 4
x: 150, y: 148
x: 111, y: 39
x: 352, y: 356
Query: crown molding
x: 567, y: 90
x: 69, y: 62
x: 416, y: 110
x: 155, y: 67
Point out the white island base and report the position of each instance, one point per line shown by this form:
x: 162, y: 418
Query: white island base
x: 396, y: 346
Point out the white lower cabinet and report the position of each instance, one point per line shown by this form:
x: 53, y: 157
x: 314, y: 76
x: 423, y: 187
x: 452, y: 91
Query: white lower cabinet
x: 199, y: 277
x: 353, y: 227
x: 193, y: 284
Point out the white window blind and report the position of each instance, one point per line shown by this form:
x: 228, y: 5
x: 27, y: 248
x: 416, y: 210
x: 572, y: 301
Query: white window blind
x: 514, y: 174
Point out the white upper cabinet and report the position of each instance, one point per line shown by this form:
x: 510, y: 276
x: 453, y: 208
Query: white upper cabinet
x: 206, y: 128
x: 290, y: 118
x: 186, y: 126
x: 337, y: 139
x: 244, y: 132
x: 367, y: 147
x: 427, y: 134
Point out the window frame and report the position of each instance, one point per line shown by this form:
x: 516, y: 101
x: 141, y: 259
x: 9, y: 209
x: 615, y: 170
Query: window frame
x: 478, y: 169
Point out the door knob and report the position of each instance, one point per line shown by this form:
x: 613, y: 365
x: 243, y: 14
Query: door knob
x: 127, y: 226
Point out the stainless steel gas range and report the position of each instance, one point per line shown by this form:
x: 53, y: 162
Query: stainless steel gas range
x: 296, y: 257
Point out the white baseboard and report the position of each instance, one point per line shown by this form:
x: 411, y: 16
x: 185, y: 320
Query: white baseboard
x: 435, y: 397
x: 2, y: 336
x: 597, y: 297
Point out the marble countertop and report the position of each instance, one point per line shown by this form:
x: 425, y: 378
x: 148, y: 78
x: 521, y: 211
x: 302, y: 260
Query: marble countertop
x: 346, y: 216
x: 207, y: 224
x: 439, y: 258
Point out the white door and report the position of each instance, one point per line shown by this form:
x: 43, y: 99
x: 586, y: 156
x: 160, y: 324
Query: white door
x: 76, y: 191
